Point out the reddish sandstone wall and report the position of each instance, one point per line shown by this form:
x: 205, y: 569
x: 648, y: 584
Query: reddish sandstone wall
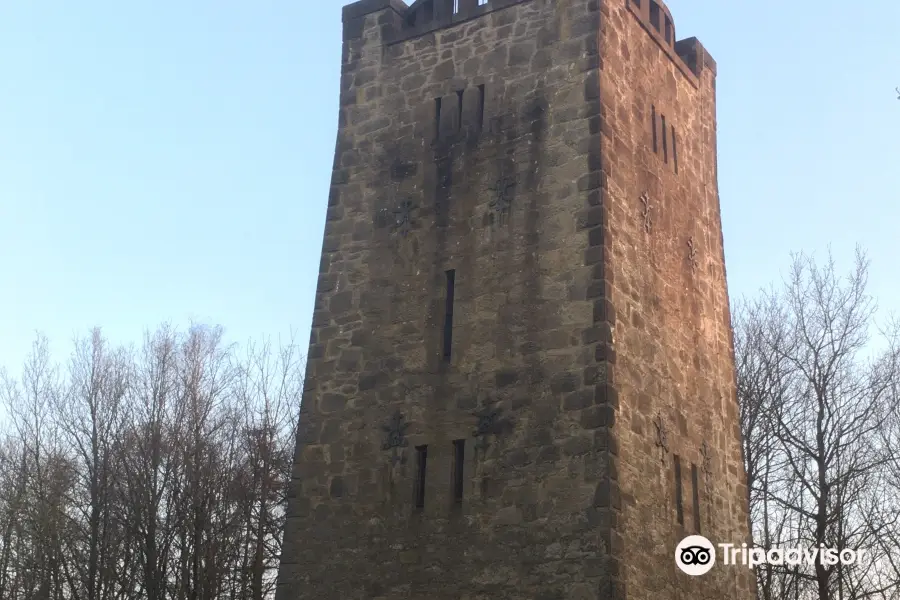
x: 675, y: 367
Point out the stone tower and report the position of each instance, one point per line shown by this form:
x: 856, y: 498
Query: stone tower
x: 520, y: 378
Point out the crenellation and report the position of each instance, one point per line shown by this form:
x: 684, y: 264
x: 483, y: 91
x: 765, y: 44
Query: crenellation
x: 695, y: 56
x: 424, y: 17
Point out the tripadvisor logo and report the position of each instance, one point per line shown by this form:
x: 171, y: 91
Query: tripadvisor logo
x: 696, y: 555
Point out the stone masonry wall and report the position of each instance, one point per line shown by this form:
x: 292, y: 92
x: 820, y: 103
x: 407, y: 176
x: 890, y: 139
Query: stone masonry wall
x: 504, y: 205
x: 675, y: 365
x: 512, y: 148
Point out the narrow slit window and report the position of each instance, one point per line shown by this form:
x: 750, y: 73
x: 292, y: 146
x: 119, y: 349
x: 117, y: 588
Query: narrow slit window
x: 455, y: 6
x: 437, y: 118
x: 428, y: 11
x: 480, y: 107
x: 695, y: 479
x: 668, y: 31
x: 459, y: 95
x: 679, y: 506
x: 664, y: 136
x: 421, y: 458
x: 459, y: 457
x: 674, y: 151
x: 448, y: 314
x: 652, y: 120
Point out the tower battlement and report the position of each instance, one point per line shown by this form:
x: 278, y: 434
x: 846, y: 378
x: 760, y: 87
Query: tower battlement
x: 688, y: 54
x: 421, y: 17
x: 404, y: 22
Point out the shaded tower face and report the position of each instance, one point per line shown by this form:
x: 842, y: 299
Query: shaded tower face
x: 520, y: 380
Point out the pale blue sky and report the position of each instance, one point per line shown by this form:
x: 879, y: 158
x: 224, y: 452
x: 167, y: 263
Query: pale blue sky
x: 171, y: 160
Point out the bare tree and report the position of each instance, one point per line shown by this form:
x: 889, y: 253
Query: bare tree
x: 813, y: 412
x: 152, y: 474
x: 150, y: 469
x: 89, y: 416
x: 42, y: 482
x: 269, y: 392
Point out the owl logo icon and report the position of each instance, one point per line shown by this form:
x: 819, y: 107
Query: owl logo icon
x: 695, y: 555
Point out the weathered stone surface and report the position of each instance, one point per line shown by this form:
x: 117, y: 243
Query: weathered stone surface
x: 511, y: 143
